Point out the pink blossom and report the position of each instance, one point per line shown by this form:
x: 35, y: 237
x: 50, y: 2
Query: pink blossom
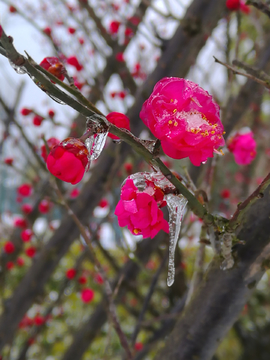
x: 185, y: 119
x: 87, y: 295
x: 139, y: 211
x: 119, y: 120
x: 243, y: 147
x: 73, y: 61
x: 114, y: 27
x: 25, y: 190
x: 67, y: 161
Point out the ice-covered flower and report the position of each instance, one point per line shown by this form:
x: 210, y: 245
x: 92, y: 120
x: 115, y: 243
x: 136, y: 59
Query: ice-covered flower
x: 118, y: 119
x: 68, y: 160
x: 185, y: 118
x: 243, y: 146
x: 54, y: 66
x: 139, y: 210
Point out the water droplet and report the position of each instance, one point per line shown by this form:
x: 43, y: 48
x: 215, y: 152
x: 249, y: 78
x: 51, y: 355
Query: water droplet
x: 117, y: 142
x: 19, y: 69
x: 176, y: 205
x: 56, y: 99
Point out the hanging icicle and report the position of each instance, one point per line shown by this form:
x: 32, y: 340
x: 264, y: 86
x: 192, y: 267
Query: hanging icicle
x: 176, y: 205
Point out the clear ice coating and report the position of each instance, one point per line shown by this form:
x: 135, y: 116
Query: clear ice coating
x: 56, y: 99
x: 98, y: 145
x: 176, y: 205
x: 19, y: 69
x: 156, y: 177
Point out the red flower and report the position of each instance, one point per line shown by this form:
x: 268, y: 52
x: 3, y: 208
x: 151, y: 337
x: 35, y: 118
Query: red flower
x: 54, y: 66
x: 71, y: 30
x: 47, y: 31
x: 87, y: 295
x: 78, y: 84
x: 128, y: 32
x: 37, y: 120
x: 138, y: 346
x: 114, y: 27
x: 12, y: 9
x: 44, y: 206
x: 185, y: 119
x: 9, y: 247
x: 243, y: 147
x: 25, y: 190
x: 120, y: 57
x: 139, y: 211
x: 8, y: 161
x: 225, y: 194
x: 128, y: 168
x: 71, y: 273
x: 51, y: 143
x: 26, y: 235
x: 74, y: 193
x: 103, y: 203
x: 81, y: 41
x: 68, y: 160
x: 30, y: 251
x: 25, y: 111
x: 20, y: 222
x: 9, y: 265
x: 73, y: 61
x: 20, y: 261
x: 122, y: 94
x: 119, y: 120
x: 51, y: 113
x: 27, y: 208
x: 39, y: 320
x: 234, y: 5
x: 99, y: 279
x: 82, y: 280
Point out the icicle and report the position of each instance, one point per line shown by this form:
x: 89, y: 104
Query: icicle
x: 19, y: 69
x: 176, y: 205
x: 98, y: 145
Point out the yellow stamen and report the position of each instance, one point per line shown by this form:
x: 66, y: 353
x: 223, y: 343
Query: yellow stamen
x: 170, y: 122
x: 175, y: 123
x: 174, y: 111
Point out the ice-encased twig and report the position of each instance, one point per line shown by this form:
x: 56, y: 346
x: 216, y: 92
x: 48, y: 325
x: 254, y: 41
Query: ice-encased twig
x: 176, y: 205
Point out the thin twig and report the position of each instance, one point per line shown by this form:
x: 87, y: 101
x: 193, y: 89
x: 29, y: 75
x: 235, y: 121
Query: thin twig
x: 260, y: 6
x: 237, y: 72
x: 108, y: 289
x: 147, y: 300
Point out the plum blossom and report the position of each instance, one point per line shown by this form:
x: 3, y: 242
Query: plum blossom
x: 68, y: 160
x: 185, y: 118
x: 139, y: 210
x: 54, y: 66
x: 119, y: 120
x: 243, y: 146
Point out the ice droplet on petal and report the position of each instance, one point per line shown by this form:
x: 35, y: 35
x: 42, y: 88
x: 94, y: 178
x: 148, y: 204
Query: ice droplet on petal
x: 156, y: 177
x: 19, y: 69
x: 176, y: 205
